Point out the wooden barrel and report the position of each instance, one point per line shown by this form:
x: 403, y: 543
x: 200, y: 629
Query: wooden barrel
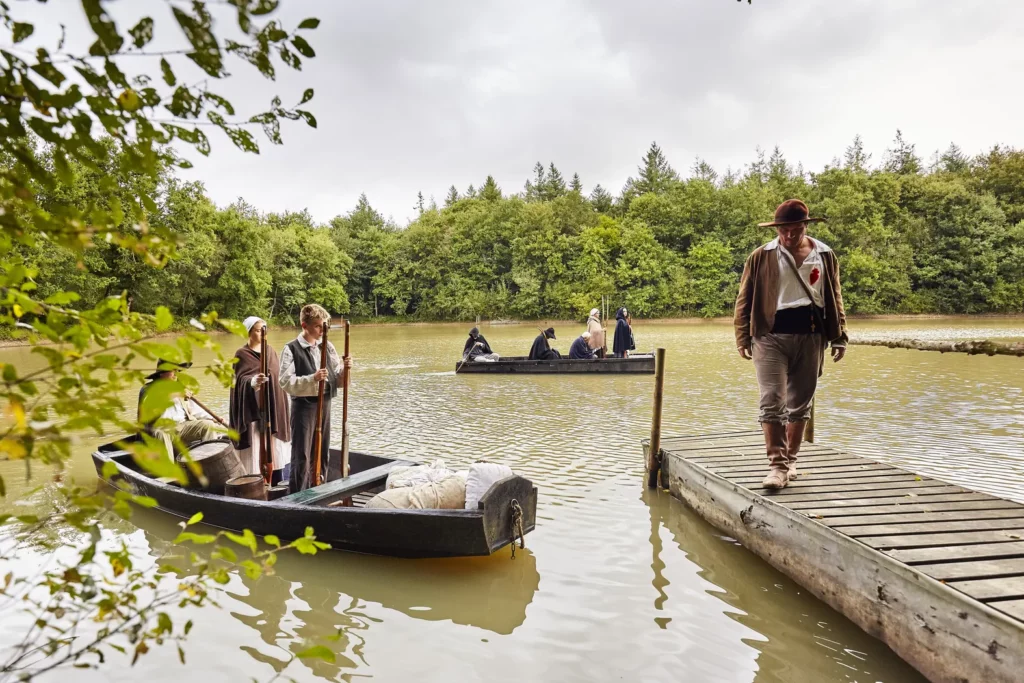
x: 249, y: 486
x: 279, y: 491
x: 219, y: 463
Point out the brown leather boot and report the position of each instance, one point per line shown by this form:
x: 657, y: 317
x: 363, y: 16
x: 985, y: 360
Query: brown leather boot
x: 794, y: 437
x: 775, y: 445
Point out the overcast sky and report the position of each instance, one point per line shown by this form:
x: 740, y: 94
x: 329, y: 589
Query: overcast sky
x: 416, y: 95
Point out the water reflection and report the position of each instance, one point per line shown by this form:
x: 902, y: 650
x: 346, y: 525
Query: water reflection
x: 803, y: 640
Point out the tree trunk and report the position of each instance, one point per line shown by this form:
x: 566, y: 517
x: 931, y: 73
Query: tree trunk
x: 971, y: 347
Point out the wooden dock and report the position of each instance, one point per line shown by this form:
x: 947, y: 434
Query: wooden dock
x: 935, y: 571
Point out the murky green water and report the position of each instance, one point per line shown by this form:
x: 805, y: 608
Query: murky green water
x: 616, y: 583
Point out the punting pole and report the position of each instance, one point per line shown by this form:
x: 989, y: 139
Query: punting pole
x: 266, y: 457
x: 319, y: 440
x: 654, y: 454
x: 809, y: 427
x: 344, y: 410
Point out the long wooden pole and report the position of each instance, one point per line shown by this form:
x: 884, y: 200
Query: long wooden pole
x: 319, y: 440
x: 266, y: 458
x: 344, y: 409
x: 809, y: 426
x: 214, y: 415
x: 653, y: 455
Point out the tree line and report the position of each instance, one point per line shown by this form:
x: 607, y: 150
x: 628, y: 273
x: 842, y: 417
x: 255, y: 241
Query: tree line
x: 945, y: 236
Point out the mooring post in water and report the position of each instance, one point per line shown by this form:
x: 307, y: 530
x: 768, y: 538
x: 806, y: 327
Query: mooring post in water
x: 809, y: 427
x: 653, y: 455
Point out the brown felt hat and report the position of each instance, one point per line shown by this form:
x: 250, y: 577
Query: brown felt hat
x: 789, y: 212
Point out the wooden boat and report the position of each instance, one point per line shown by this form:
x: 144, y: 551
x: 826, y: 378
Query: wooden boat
x: 398, y: 533
x: 641, y: 364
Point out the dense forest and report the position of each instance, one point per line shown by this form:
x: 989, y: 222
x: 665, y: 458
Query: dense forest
x: 944, y: 236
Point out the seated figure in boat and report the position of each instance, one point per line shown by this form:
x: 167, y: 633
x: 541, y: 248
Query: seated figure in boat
x: 192, y: 424
x: 580, y: 349
x: 477, y: 348
x: 541, y: 349
x: 624, y: 342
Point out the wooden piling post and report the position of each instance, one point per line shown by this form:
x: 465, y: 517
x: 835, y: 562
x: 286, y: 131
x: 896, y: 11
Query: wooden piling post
x: 809, y: 426
x: 653, y: 455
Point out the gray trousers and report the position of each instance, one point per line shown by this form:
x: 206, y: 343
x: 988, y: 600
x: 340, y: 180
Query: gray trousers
x: 787, y: 367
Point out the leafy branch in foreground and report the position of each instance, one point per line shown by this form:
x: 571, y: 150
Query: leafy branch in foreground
x: 104, y: 600
x: 114, y: 118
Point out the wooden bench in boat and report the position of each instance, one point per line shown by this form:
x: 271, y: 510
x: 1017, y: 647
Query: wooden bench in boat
x: 934, y: 570
x: 344, y: 487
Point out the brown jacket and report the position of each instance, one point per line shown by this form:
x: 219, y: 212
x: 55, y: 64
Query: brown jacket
x: 759, y: 294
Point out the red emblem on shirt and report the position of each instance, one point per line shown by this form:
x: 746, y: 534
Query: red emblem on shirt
x: 815, y: 274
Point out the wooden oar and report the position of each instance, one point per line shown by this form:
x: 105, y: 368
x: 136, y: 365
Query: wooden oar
x: 344, y: 409
x: 319, y: 440
x: 465, y: 357
x: 266, y: 459
x: 212, y: 414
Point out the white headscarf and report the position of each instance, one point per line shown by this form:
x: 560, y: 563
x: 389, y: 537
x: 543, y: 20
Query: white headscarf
x: 250, y: 321
x: 594, y: 312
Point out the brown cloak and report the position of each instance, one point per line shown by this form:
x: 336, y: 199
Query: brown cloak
x: 244, y: 407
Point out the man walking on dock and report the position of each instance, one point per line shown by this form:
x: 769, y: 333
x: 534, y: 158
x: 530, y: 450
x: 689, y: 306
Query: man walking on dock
x: 789, y: 308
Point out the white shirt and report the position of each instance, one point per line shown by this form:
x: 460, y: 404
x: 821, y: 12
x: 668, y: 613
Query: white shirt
x: 812, y: 272
x: 180, y: 411
x: 306, y: 385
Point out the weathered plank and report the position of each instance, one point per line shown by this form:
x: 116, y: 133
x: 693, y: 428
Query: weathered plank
x: 892, y: 487
x: 743, y: 458
x: 897, y: 508
x: 989, y: 589
x: 974, y: 569
x: 932, y: 527
x: 899, y: 541
x: 828, y: 468
x: 356, y: 483
x: 955, y: 496
x: 916, y: 517
x: 817, y: 497
x: 983, y: 551
x: 1015, y: 608
x: 840, y: 484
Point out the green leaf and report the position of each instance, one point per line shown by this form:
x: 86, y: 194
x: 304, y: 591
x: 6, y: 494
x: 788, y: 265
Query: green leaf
x: 144, y: 501
x: 310, y: 23
x: 247, y: 539
x: 109, y: 470
x: 206, y: 52
x: 198, y: 539
x: 194, y: 519
x: 142, y: 32
x: 3, y: 489
x: 164, y: 319
x: 307, y: 96
x: 252, y: 570
x: 309, y: 118
x: 225, y: 553
x: 234, y: 327
x: 103, y: 26
x: 303, y: 47
x: 21, y: 31
x: 317, y: 652
x: 273, y: 540
x: 168, y: 74
x: 159, y: 396
x: 62, y: 298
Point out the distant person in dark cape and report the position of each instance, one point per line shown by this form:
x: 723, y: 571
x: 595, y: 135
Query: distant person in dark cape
x: 477, y: 348
x: 580, y: 349
x: 541, y: 349
x: 624, y: 342
x: 245, y: 404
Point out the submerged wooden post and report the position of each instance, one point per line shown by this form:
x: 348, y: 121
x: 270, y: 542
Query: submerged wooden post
x: 809, y: 426
x: 653, y: 460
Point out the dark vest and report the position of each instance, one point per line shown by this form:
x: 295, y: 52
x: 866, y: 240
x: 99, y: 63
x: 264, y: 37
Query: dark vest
x: 305, y: 366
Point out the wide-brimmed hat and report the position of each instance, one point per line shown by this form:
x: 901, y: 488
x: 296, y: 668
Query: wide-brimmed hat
x: 549, y: 333
x: 177, y: 366
x: 789, y: 212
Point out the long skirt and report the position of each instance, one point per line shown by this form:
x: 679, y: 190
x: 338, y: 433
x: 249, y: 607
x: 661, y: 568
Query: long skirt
x: 303, y: 438
x: 280, y: 452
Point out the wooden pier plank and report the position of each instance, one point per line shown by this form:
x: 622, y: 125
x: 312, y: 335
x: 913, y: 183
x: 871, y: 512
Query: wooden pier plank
x: 936, y: 488
x: 956, y: 497
x: 932, y: 527
x: 841, y: 484
x: 823, y: 470
x: 915, y: 517
x: 899, y: 541
x: 990, y: 589
x: 908, y: 507
x: 894, y: 488
x: 1015, y: 608
x: 983, y: 551
x: 974, y: 569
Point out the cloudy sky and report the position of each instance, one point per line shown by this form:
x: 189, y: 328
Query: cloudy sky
x: 416, y: 95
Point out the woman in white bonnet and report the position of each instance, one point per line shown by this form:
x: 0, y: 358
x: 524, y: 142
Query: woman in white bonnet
x: 245, y: 404
x: 596, y: 332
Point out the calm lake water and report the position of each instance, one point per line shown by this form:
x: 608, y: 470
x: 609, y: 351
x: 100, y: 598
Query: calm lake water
x: 616, y: 583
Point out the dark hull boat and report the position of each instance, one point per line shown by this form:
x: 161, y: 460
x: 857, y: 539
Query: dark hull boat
x: 397, y: 533
x: 637, y: 365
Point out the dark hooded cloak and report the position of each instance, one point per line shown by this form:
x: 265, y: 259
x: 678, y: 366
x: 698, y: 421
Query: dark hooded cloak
x: 541, y: 349
x: 580, y: 349
x: 243, y: 405
x: 470, y: 350
x: 623, y: 334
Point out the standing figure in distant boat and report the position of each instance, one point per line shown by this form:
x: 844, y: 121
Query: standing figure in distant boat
x: 541, y: 349
x: 300, y: 377
x: 580, y: 349
x: 596, y: 332
x: 623, y: 342
x: 789, y: 309
x: 477, y: 348
x: 246, y: 409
